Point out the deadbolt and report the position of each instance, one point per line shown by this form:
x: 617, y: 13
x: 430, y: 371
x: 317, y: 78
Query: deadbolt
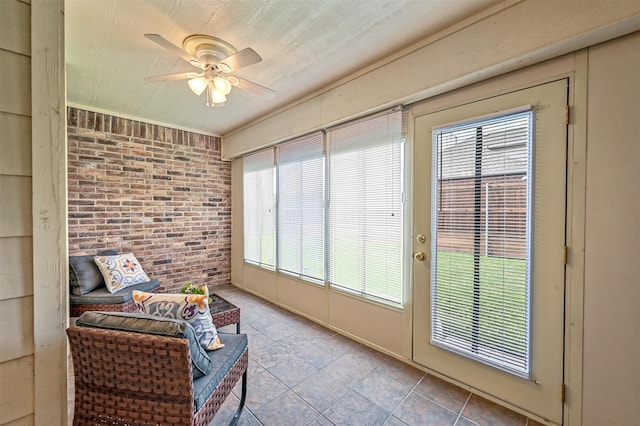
x: 421, y: 238
x: 419, y: 256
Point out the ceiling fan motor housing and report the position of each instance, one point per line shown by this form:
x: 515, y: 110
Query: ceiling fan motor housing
x: 209, y: 50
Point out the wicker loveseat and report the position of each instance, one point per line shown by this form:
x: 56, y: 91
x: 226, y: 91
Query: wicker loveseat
x: 136, y: 369
x: 88, y: 291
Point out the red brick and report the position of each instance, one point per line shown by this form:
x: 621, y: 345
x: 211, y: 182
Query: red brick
x: 116, y: 169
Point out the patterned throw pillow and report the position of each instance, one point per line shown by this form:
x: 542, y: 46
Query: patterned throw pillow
x: 192, y: 308
x: 120, y: 271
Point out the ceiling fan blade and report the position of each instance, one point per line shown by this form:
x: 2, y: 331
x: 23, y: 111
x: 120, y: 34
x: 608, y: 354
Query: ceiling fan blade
x: 169, y: 77
x: 250, y: 86
x: 175, y: 49
x: 243, y: 58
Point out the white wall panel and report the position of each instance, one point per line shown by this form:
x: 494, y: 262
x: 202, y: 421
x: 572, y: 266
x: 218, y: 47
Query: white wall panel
x: 373, y: 323
x: 16, y: 323
x: 612, y: 236
x: 15, y: 206
x: 15, y: 96
x: 16, y: 274
x: 261, y: 282
x: 309, y: 299
x: 15, y: 144
x: 25, y: 421
x: 15, y: 22
x: 16, y: 392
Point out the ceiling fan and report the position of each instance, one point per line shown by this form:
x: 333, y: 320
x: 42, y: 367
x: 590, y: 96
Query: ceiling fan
x: 217, y: 59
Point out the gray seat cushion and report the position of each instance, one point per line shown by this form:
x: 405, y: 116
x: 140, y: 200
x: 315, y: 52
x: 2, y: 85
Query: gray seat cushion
x: 101, y: 296
x: 144, y: 323
x: 222, y: 360
x: 84, y: 275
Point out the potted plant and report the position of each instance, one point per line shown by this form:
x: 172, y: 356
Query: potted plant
x: 190, y: 288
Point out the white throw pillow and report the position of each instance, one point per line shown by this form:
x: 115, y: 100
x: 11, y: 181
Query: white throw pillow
x: 120, y: 271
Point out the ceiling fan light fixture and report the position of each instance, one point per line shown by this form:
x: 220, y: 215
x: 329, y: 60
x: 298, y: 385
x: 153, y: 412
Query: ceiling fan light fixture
x: 222, y: 85
x: 214, y: 96
x: 218, y: 97
x: 197, y: 85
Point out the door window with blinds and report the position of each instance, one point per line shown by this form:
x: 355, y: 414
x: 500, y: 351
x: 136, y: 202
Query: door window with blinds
x: 481, y: 237
x: 259, y: 207
x: 337, y: 200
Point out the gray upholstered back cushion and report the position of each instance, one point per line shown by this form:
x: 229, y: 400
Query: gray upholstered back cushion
x: 84, y: 275
x: 150, y: 324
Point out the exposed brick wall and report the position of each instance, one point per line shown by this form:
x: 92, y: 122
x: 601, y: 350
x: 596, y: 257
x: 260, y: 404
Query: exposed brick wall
x: 163, y: 194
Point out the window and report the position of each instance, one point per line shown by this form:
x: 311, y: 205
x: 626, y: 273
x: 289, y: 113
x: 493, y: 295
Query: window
x: 366, y: 217
x: 301, y: 207
x: 481, y: 245
x: 259, y: 209
x: 340, y: 213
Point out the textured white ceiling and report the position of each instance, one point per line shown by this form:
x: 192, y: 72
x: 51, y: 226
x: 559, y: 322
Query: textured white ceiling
x: 305, y: 45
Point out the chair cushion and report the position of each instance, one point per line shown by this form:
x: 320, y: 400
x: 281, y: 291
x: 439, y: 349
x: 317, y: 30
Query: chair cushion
x: 222, y: 360
x: 102, y: 296
x: 120, y: 271
x: 193, y: 308
x: 84, y: 275
x: 142, y: 323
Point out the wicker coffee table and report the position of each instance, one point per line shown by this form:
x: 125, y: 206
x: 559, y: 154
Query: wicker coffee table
x: 224, y: 312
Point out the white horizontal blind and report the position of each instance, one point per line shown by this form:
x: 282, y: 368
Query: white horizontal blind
x: 301, y: 207
x: 259, y: 197
x: 366, y: 206
x: 481, y: 240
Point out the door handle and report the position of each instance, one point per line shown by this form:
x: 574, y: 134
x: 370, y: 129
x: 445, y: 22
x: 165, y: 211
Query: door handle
x: 419, y: 256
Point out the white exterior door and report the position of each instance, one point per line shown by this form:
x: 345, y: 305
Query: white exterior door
x: 536, y: 385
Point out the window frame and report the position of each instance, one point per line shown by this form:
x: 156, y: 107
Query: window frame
x: 525, y: 371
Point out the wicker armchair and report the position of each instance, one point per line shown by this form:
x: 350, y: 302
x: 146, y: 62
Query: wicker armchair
x: 131, y: 378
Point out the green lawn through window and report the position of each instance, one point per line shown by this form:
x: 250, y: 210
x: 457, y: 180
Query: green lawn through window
x: 502, y: 301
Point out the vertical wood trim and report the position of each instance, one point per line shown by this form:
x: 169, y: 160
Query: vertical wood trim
x: 576, y: 205
x: 50, y: 300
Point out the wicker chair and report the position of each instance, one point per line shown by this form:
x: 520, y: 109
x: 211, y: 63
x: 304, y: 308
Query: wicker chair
x: 130, y: 378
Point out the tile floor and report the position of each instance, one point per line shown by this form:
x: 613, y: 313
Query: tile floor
x: 301, y: 373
